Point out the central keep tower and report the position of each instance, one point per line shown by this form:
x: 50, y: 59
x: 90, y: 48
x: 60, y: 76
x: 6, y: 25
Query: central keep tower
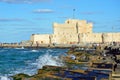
x: 73, y: 26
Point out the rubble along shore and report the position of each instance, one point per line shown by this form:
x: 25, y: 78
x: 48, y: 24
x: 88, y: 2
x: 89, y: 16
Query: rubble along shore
x: 29, y: 45
x: 78, y: 58
x: 16, y: 45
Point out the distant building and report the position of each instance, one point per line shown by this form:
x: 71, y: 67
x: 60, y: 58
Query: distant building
x: 73, y: 32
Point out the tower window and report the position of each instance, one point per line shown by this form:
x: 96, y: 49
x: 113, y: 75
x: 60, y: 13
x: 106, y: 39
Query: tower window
x: 68, y: 22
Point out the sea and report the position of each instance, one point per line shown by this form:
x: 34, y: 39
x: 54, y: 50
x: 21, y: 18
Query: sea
x: 22, y: 60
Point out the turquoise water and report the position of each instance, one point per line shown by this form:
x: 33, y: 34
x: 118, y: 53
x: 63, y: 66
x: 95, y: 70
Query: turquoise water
x: 28, y: 61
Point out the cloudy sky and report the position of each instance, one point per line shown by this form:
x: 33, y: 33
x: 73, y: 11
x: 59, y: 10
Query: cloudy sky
x: 21, y: 18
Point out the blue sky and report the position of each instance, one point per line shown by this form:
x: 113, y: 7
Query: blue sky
x: 21, y: 18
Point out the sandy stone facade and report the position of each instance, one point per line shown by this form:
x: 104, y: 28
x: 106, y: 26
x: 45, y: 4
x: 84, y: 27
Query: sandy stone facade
x: 40, y: 39
x: 74, y: 32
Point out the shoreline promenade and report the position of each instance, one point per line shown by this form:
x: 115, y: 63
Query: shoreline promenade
x: 30, y: 45
x: 17, y: 45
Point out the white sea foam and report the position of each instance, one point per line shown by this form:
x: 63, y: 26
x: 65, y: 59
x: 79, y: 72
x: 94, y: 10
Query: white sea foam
x: 5, y: 78
x: 48, y: 59
x: 49, y: 50
x: 34, y: 50
x: 33, y: 66
x: 20, y: 48
x: 45, y: 59
x: 26, y: 71
x: 30, y: 51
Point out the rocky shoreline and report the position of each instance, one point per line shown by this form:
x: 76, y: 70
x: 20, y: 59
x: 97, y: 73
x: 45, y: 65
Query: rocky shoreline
x: 81, y: 63
x: 29, y: 44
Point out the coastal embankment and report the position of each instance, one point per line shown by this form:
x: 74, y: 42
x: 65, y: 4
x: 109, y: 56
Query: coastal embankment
x: 81, y: 63
x: 55, y: 62
x: 30, y: 45
x: 27, y: 61
x: 17, y: 45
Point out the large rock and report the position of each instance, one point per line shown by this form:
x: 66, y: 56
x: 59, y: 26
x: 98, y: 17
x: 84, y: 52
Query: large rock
x: 20, y: 76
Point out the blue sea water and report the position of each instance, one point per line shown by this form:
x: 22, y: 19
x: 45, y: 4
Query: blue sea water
x: 28, y: 61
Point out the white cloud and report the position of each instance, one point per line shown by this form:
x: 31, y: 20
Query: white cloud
x: 10, y: 19
x: 64, y: 17
x: 91, y: 13
x: 24, y: 1
x: 43, y: 11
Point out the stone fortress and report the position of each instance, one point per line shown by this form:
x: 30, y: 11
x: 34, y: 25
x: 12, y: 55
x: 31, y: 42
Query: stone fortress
x: 74, y: 32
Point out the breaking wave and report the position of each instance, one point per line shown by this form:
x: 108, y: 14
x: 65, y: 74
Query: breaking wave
x: 24, y: 61
x: 5, y: 78
x: 34, y: 50
x: 48, y: 59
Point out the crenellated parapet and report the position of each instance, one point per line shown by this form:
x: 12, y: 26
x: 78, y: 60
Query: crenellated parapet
x: 73, y: 26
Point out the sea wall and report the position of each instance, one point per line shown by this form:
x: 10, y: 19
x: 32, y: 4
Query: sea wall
x: 111, y: 37
x: 91, y: 38
x: 40, y: 38
x: 64, y: 38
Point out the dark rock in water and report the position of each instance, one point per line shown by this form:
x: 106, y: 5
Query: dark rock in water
x: 76, y: 59
x: 53, y: 68
x: 46, y: 73
x: 20, y: 76
x: 103, y: 65
x: 114, y: 52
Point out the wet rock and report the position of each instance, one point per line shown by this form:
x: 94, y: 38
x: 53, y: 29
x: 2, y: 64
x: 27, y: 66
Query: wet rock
x: 53, y: 68
x: 20, y: 76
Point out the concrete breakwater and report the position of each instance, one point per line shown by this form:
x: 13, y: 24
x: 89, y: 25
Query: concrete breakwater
x: 17, y: 45
x: 102, y: 64
x: 29, y: 45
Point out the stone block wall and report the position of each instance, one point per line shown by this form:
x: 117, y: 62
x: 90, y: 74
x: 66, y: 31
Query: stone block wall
x: 40, y: 38
x: 73, y: 32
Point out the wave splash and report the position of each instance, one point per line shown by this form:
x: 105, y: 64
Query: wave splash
x: 48, y: 59
x: 44, y: 57
x: 5, y: 78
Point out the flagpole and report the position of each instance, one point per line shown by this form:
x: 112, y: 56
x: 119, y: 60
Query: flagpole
x: 73, y: 13
x: 112, y: 34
